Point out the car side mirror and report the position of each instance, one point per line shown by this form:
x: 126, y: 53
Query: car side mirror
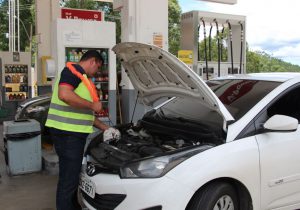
x: 281, y: 123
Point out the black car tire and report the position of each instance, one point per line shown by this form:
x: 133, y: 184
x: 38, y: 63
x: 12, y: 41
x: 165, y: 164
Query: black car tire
x: 218, y: 194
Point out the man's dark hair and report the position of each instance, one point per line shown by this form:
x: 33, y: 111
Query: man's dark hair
x: 92, y: 54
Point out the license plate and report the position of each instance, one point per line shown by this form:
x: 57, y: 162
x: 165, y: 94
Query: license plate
x: 87, y: 185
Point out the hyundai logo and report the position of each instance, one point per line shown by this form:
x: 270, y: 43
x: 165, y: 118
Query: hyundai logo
x: 90, y: 170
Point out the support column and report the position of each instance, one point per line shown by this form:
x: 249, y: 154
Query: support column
x: 141, y: 21
x: 46, y: 12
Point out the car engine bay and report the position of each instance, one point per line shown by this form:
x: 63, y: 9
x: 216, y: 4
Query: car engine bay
x: 154, y: 135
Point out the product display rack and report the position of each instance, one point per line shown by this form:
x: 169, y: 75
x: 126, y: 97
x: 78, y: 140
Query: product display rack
x: 16, y: 82
x: 101, y: 79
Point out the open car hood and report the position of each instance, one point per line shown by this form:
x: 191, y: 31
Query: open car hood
x: 156, y: 73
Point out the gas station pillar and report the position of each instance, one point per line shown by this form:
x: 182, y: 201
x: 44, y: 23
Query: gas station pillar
x: 146, y: 22
x: 46, y: 12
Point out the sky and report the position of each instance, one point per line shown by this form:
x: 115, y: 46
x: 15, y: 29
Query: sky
x: 271, y: 25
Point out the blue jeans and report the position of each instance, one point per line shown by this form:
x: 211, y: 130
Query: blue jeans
x: 69, y: 147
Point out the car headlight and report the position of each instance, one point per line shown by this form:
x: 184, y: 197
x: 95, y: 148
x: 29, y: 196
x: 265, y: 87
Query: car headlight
x: 158, y: 166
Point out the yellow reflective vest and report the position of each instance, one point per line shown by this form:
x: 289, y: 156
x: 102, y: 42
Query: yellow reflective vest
x: 64, y: 117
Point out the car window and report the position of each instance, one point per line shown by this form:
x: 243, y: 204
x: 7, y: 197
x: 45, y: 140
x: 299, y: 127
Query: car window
x: 190, y: 109
x: 287, y: 104
x: 239, y: 96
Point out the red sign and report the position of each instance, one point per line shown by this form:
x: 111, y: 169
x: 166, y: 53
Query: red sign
x: 67, y: 13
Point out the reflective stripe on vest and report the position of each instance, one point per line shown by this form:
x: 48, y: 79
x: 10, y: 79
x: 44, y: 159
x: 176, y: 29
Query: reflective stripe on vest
x: 64, y: 117
x: 70, y: 109
x: 68, y: 120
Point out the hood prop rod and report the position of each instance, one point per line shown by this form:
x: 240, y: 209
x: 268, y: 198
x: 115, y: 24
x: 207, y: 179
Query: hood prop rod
x: 137, y: 96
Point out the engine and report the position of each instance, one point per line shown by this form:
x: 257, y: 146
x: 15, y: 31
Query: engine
x: 152, y: 136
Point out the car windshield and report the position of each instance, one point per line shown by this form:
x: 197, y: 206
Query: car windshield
x: 238, y: 96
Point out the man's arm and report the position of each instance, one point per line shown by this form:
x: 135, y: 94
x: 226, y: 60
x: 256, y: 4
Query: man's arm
x: 100, y: 125
x: 67, y: 95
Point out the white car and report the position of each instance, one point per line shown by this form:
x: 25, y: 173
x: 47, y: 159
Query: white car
x: 230, y: 143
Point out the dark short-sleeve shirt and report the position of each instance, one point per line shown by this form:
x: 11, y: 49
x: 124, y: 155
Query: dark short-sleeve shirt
x: 68, y: 78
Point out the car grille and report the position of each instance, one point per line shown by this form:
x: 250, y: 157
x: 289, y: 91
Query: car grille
x: 105, y: 201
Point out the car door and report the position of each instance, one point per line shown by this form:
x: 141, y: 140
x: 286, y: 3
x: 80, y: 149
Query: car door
x: 280, y: 155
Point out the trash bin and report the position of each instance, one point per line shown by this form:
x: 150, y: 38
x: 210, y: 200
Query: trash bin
x: 22, y: 146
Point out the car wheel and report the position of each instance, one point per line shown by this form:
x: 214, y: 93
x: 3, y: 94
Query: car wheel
x: 216, y: 196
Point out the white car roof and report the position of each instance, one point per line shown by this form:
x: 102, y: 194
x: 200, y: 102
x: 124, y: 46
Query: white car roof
x: 270, y: 76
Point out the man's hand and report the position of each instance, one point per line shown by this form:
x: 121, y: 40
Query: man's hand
x: 111, y: 134
x: 96, y: 106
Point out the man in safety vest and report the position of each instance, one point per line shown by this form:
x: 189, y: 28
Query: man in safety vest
x: 70, y: 120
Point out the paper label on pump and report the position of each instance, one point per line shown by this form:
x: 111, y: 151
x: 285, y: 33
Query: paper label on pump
x: 158, y: 40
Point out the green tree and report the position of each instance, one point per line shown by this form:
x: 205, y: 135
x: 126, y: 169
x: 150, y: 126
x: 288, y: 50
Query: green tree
x: 174, y: 26
x: 27, y: 19
x: 214, y: 47
x: 3, y: 26
x: 260, y: 61
x: 256, y: 61
x: 80, y: 4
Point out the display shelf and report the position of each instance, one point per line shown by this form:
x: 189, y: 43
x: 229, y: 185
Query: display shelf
x: 16, y: 82
x: 7, y: 92
x: 16, y: 96
x: 17, y: 73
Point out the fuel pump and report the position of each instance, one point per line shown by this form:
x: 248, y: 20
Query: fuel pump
x: 209, y: 42
x: 242, y: 43
x: 198, y: 44
x: 231, y: 49
x: 218, y: 45
x: 210, y: 67
x: 222, y: 36
x: 205, y: 50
